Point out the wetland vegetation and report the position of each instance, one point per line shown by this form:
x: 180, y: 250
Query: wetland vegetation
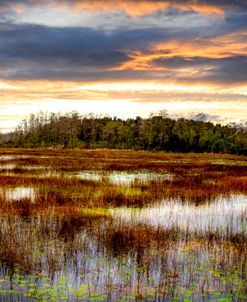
x: 114, y: 225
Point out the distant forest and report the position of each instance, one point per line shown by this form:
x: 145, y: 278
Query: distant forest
x: 158, y: 132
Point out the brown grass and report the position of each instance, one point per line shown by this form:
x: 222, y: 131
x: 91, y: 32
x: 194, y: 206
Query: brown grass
x: 68, y: 214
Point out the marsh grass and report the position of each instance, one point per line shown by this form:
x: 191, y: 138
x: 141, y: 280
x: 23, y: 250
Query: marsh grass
x: 69, y: 243
x: 132, y: 261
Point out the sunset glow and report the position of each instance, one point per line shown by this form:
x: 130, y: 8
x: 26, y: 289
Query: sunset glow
x: 123, y: 58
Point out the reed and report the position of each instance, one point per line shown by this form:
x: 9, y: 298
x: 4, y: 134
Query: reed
x: 102, y: 234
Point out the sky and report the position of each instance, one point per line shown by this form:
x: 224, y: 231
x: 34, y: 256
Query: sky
x: 123, y: 58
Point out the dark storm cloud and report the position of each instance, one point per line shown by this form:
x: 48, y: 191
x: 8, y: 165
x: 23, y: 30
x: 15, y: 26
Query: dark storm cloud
x: 226, y: 70
x: 28, y: 51
x: 40, y: 52
x: 229, y: 70
x: 235, y: 21
x: 32, y: 51
x: 181, y: 62
x: 231, y: 4
x: 81, y: 53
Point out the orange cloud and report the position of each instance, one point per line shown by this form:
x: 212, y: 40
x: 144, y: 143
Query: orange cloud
x: 234, y: 44
x: 137, y: 8
x: 30, y: 91
x: 32, y: 96
x: 134, y: 8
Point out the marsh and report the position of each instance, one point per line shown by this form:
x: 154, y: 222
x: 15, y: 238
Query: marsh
x: 107, y: 225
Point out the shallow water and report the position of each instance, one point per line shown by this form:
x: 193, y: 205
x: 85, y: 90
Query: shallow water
x: 5, y: 167
x: 123, y: 178
x: 88, y: 175
x: 219, y: 216
x: 7, y: 157
x: 128, y: 178
x: 152, y: 273
x: 18, y: 193
x: 161, y: 252
x: 12, y: 157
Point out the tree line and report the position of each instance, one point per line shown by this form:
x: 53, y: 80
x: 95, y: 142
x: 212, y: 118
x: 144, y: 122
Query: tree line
x: 157, y: 132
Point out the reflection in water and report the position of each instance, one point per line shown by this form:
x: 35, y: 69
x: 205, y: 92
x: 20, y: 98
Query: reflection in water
x: 123, y: 178
x: 127, y: 178
x: 164, y: 252
x: 12, y: 157
x: 7, y: 167
x: 30, y: 167
x: 18, y: 193
x: 89, y: 175
x: 7, y: 157
x: 86, y: 264
x: 220, y: 216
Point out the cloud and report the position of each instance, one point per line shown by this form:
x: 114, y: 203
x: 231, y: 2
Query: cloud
x: 12, y: 10
x: 141, y: 51
x: 192, y: 54
x: 204, y: 117
x: 229, y: 70
x: 131, y: 7
x: 36, y: 52
x: 29, y: 51
x: 221, y: 70
x: 144, y: 7
x: 84, y: 54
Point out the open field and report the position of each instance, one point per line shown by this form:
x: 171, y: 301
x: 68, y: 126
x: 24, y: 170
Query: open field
x: 106, y: 225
